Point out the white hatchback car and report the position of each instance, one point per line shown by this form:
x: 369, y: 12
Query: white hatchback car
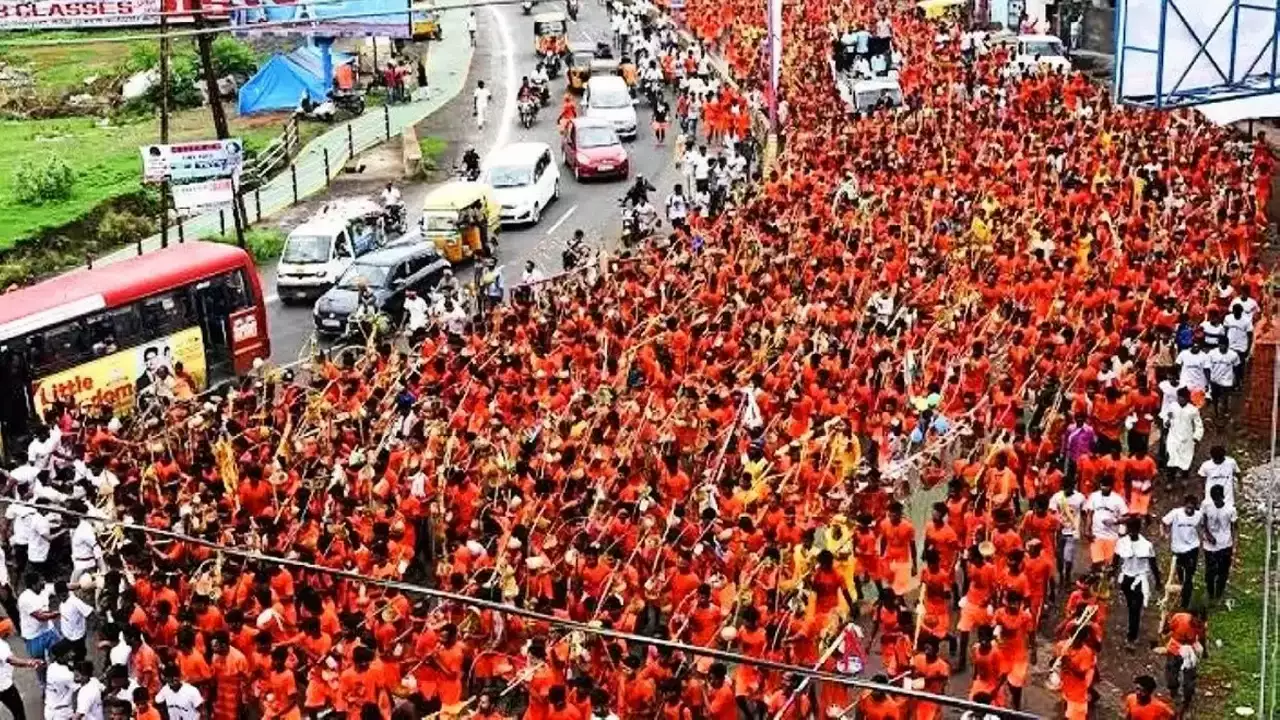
x: 607, y: 98
x: 525, y: 180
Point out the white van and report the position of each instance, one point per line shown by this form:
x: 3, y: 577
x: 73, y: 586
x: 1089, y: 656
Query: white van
x: 608, y: 98
x: 319, y: 250
x: 525, y: 180
x: 867, y: 94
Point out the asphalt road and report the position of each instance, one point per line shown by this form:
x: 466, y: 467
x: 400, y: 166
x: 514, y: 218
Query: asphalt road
x: 504, y: 55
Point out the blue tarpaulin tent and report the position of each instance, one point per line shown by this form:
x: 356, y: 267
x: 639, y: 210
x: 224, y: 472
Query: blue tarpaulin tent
x: 283, y: 80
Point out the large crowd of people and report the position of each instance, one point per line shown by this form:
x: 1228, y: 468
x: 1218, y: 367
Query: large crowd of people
x: 1005, y: 304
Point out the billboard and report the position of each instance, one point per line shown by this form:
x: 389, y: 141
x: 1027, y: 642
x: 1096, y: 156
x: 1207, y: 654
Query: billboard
x: 196, y: 197
x: 71, y: 14
x: 119, y: 378
x: 203, y: 160
x: 333, y: 18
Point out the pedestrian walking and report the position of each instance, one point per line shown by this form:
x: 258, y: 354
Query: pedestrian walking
x: 472, y: 26
x: 1183, y: 527
x: 1135, y: 561
x: 1219, y: 541
x: 480, y: 104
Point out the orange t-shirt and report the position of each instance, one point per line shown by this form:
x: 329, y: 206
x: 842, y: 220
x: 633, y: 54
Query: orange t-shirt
x: 1155, y: 709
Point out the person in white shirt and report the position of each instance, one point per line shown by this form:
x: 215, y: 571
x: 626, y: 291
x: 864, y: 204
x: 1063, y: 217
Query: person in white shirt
x: 39, y: 543
x: 89, y: 696
x: 19, y: 517
x: 480, y: 104
x: 1212, y: 329
x: 59, y: 683
x: 678, y: 208
x: 73, y: 616
x: 1104, y: 511
x: 1220, y: 470
x: 1135, y: 561
x: 1068, y: 505
x: 1219, y: 541
x: 86, y: 553
x: 1239, y: 332
x: 416, y: 311
x: 1247, y: 304
x: 1183, y: 526
x: 181, y: 700
x: 9, y: 694
x: 1223, y: 365
x: 1183, y: 429
x: 1193, y: 364
x: 34, y: 616
x: 471, y: 26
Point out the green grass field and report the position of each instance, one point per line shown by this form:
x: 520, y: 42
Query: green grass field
x: 105, y: 159
x: 1231, y: 671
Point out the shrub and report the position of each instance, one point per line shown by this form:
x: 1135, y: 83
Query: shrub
x: 233, y: 57
x: 142, y: 57
x: 37, y: 183
x: 122, y: 227
x: 265, y: 244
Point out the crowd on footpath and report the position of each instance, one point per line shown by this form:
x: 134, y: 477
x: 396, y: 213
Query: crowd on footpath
x: 1008, y: 292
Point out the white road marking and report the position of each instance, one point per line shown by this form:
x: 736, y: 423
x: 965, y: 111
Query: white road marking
x: 563, y: 217
x: 513, y: 84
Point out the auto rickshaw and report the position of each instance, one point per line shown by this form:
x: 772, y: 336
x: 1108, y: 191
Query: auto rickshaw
x: 581, y: 56
x: 426, y: 24
x: 550, y: 32
x: 460, y: 218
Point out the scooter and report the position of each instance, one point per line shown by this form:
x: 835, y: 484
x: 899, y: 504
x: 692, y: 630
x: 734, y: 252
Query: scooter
x: 393, y: 219
x: 637, y: 224
x: 544, y: 95
x: 528, y: 110
x: 552, y: 63
x: 348, y: 101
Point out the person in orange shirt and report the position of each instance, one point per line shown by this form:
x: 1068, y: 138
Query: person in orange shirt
x: 936, y: 582
x: 979, y: 581
x: 449, y: 660
x: 357, y: 687
x: 1142, y: 704
x: 898, y: 548
x: 560, y: 708
x: 1016, y: 628
x: 1039, y: 568
x: 829, y: 586
x: 1109, y: 412
x: 1139, y: 472
x: 142, y: 707
x: 280, y: 699
x: 880, y: 705
x: 987, y: 678
x: 721, y: 702
x: 230, y: 677
x: 1077, y: 672
x: 1186, y: 629
x: 934, y: 671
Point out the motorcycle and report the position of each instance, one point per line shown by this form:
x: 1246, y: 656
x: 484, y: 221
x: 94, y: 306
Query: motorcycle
x: 348, y: 101
x: 469, y: 173
x: 544, y: 95
x: 651, y: 90
x: 394, y: 219
x: 638, y: 223
x: 527, y: 6
x: 528, y: 113
x: 552, y: 64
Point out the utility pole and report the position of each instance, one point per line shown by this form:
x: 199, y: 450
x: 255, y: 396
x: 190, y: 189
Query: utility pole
x: 164, y: 121
x: 204, y: 46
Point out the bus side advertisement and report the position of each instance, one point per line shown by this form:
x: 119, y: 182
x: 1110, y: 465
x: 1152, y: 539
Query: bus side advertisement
x: 117, y: 379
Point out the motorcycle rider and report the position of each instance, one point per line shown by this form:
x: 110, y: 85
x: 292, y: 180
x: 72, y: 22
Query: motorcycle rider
x: 638, y: 194
x: 572, y: 7
x: 471, y: 163
x: 393, y: 204
x: 539, y: 82
x: 575, y: 252
x: 568, y: 111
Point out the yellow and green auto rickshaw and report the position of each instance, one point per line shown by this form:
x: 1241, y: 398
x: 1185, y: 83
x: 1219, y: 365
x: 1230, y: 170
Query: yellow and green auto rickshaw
x: 460, y: 217
x: 581, y: 56
x: 426, y: 24
x: 550, y: 34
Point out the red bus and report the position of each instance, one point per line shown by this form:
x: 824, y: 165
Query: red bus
x: 169, y: 320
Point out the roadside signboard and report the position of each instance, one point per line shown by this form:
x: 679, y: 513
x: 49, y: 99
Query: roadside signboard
x: 204, y: 160
x: 72, y: 14
x: 333, y: 18
x: 194, y: 198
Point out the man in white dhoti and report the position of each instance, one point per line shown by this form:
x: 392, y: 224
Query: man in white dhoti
x: 1183, y: 429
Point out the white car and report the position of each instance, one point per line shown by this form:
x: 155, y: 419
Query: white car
x: 1043, y: 50
x: 607, y: 98
x: 319, y: 250
x: 525, y: 180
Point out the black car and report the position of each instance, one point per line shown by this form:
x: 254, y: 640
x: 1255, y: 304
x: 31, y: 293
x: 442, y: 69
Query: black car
x: 388, y: 273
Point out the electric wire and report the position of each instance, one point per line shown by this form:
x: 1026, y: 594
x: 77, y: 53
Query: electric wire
x: 570, y: 625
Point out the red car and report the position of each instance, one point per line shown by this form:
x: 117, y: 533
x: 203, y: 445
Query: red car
x: 592, y: 150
